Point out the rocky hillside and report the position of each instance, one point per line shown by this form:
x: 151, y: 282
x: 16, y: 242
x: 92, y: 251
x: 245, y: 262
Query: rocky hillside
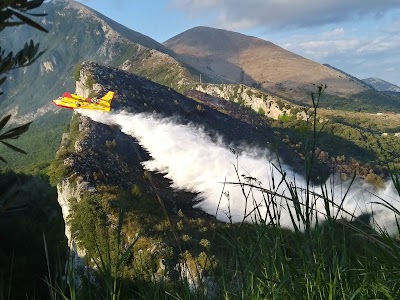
x: 251, y: 61
x: 265, y: 104
x: 161, y: 68
x: 76, y: 33
x: 98, y: 169
x: 382, y: 85
x: 136, y: 94
x: 236, y: 58
x: 99, y: 154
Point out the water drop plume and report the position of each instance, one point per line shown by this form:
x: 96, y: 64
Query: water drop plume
x: 195, y: 162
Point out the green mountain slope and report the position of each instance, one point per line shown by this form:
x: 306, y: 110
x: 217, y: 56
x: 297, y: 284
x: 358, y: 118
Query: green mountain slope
x: 76, y: 33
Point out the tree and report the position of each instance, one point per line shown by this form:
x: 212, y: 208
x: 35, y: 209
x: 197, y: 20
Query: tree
x: 22, y: 264
x: 16, y: 13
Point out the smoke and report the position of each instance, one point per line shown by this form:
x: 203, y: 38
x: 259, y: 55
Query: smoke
x: 195, y: 162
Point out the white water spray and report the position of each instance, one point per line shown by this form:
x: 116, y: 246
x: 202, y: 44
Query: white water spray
x: 187, y: 156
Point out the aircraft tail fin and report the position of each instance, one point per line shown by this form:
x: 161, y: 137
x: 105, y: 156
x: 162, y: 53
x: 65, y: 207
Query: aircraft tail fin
x: 107, y: 98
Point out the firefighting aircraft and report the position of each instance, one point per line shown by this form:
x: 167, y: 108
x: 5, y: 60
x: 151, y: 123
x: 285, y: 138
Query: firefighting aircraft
x: 73, y: 101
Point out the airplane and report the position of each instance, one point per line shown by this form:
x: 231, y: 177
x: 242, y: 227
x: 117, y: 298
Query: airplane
x: 73, y: 101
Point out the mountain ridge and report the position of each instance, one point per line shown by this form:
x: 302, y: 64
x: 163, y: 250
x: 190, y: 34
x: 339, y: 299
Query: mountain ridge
x: 71, y: 23
x: 382, y: 85
x: 257, y: 62
x: 76, y: 33
x: 102, y: 170
x: 129, y: 34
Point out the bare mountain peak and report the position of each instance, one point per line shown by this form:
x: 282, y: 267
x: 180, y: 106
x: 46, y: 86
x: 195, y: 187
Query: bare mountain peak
x: 214, y: 39
x: 239, y: 58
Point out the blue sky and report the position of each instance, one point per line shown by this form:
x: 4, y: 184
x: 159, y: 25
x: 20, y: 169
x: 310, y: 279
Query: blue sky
x: 360, y: 37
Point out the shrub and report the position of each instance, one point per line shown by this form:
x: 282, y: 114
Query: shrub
x: 90, y: 81
x: 286, y: 118
x: 77, y: 72
x: 199, y: 108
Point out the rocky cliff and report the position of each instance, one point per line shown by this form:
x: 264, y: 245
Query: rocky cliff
x: 266, y: 104
x: 98, y: 168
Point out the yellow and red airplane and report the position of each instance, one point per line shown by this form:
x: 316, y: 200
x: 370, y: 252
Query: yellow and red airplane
x: 73, y: 101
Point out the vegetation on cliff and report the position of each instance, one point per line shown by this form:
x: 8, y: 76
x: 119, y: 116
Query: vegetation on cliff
x: 159, y: 249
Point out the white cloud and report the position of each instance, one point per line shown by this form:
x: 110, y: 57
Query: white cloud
x: 335, y: 33
x: 340, y: 42
x: 240, y: 15
x: 375, y: 54
x: 194, y: 8
x: 322, y: 45
x: 361, y: 37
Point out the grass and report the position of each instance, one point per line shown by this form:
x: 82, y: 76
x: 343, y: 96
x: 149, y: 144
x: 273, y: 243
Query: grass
x: 371, y: 121
x: 323, y: 256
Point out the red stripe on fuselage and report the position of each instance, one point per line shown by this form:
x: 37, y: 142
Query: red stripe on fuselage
x: 68, y: 95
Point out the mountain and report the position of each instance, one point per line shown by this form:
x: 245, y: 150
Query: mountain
x: 351, y: 76
x: 382, y: 85
x: 76, y: 33
x: 252, y: 61
x: 132, y: 216
x: 101, y: 167
x: 236, y: 58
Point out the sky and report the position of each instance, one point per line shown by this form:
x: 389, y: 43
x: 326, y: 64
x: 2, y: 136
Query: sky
x: 360, y: 37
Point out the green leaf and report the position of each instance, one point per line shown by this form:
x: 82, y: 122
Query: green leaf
x: 33, y: 4
x: 2, y: 80
x: 13, y: 147
x: 15, y: 132
x: 27, y: 55
x: 4, y: 121
x: 28, y: 21
x: 7, y: 63
x: 10, y: 24
x: 36, y: 14
x: 125, y: 255
x: 4, y: 15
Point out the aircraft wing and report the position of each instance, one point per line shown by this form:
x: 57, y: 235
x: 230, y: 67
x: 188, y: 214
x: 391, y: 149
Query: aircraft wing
x: 73, y: 101
x: 73, y: 96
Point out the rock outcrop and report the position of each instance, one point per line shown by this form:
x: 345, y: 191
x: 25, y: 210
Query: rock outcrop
x: 98, y: 159
x: 269, y: 105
